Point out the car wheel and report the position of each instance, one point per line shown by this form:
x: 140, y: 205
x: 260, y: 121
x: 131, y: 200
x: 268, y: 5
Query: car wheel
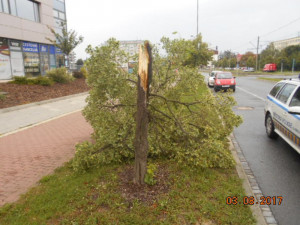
x: 233, y: 89
x: 216, y: 89
x: 270, y: 127
x: 208, y: 85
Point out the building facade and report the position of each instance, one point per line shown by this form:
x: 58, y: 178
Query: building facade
x: 131, y: 48
x: 287, y: 42
x: 24, y: 29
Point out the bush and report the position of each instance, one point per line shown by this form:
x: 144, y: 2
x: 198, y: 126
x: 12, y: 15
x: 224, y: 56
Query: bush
x: 78, y: 75
x: 84, y: 72
x: 60, y: 75
x: 20, y: 80
x: 44, y: 81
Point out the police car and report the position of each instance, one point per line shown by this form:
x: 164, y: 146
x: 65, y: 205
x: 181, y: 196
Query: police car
x: 282, y: 112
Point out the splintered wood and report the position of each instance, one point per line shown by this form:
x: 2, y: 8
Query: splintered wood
x: 144, y: 62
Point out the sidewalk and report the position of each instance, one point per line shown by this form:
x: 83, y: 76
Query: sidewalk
x: 30, y: 154
x: 14, y: 118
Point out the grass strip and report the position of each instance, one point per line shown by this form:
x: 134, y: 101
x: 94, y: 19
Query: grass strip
x: 98, y: 197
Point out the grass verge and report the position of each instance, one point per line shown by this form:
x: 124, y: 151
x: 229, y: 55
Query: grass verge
x: 98, y: 197
x: 270, y: 79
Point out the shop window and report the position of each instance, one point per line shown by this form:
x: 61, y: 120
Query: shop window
x: 60, y: 60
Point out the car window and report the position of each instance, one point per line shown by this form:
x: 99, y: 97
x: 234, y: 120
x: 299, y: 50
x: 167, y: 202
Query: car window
x: 224, y: 76
x: 275, y: 89
x: 285, y: 92
x: 296, y: 98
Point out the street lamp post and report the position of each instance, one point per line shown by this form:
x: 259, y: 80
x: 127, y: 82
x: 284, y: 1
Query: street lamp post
x: 197, y: 15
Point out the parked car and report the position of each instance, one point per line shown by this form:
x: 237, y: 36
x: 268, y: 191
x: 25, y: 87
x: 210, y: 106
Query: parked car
x: 211, y: 80
x: 282, y: 112
x: 224, y: 81
x: 271, y: 67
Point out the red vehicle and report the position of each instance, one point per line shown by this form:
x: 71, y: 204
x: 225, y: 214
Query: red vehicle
x: 270, y: 67
x: 224, y: 81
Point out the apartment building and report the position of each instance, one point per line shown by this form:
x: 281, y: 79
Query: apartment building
x: 24, y: 27
x: 132, y: 48
x: 287, y: 42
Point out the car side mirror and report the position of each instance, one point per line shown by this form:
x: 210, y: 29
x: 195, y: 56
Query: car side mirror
x: 295, y: 110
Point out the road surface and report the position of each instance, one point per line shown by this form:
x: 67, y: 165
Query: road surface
x: 275, y: 165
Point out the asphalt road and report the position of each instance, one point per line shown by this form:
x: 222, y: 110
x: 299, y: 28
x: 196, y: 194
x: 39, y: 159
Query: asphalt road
x: 275, y: 165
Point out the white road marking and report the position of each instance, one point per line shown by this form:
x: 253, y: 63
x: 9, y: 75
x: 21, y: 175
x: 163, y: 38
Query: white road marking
x: 250, y: 93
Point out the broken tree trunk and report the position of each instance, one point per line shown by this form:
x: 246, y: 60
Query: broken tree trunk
x: 142, y: 115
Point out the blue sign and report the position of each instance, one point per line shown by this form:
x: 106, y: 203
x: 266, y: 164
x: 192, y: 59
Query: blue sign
x: 43, y: 48
x: 57, y: 50
x: 52, y: 49
x: 30, y: 47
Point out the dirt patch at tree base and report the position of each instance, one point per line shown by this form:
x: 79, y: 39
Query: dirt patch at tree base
x: 144, y: 193
x: 17, y: 94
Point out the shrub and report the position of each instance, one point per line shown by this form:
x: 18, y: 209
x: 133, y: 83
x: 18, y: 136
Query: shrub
x: 44, y: 81
x: 60, y: 75
x: 78, y: 75
x: 84, y: 71
x: 20, y: 80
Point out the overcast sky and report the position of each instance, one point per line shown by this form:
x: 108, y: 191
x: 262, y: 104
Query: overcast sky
x: 229, y: 24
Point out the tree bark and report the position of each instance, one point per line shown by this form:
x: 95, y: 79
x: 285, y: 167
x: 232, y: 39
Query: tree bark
x: 142, y: 116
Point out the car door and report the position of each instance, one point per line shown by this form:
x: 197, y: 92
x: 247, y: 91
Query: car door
x: 282, y: 119
x: 294, y: 119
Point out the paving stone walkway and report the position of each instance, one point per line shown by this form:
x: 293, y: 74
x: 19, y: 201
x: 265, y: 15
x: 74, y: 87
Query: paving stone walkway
x: 28, y: 155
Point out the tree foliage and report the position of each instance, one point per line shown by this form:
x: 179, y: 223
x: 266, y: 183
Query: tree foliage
x: 226, y: 59
x: 192, y: 53
x: 79, y: 62
x: 187, y: 123
x: 285, y: 56
x: 67, y: 40
x: 248, y: 60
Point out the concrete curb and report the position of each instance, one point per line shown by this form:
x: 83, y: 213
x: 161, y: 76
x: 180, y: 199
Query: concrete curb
x: 14, y: 108
x: 262, y: 213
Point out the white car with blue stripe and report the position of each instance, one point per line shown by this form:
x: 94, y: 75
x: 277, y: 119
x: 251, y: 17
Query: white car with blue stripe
x: 282, y: 112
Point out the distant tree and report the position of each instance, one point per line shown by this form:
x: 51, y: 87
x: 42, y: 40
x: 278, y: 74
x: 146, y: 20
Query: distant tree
x: 269, y: 55
x: 79, y: 62
x: 227, y: 59
x: 289, y: 54
x: 248, y: 59
x: 67, y: 41
x: 192, y: 53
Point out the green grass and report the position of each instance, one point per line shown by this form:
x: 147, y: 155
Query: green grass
x: 95, y: 198
x: 270, y: 79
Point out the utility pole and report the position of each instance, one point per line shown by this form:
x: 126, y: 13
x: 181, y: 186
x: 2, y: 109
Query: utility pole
x: 257, y: 53
x: 293, y: 65
x: 197, y: 15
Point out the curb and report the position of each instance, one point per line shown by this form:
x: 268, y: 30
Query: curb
x: 262, y: 213
x: 14, y: 108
